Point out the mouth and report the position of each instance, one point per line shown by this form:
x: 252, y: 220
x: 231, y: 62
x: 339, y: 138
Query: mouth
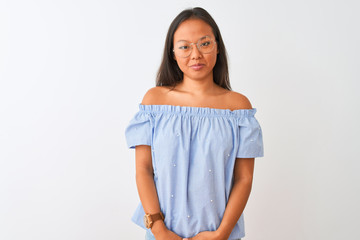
x: 197, y: 66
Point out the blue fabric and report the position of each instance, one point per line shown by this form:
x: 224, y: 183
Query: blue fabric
x: 194, y: 150
x: 149, y: 235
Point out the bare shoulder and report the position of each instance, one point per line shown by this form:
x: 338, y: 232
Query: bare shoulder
x: 238, y: 101
x: 154, y: 95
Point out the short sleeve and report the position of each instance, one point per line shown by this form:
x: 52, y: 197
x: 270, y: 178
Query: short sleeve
x: 139, y: 130
x: 250, y: 138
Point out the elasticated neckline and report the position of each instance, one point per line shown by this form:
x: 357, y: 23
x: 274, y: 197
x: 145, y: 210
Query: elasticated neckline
x: 187, y: 110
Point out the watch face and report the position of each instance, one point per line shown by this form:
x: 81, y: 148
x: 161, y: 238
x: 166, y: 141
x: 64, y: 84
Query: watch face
x: 146, y: 222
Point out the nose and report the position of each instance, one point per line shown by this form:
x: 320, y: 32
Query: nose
x: 195, y: 53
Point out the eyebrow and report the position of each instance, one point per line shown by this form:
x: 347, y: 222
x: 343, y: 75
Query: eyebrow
x: 198, y: 39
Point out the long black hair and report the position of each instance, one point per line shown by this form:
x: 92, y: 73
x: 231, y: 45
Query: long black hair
x: 169, y: 73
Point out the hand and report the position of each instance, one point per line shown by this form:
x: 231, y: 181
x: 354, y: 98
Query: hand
x: 206, y: 235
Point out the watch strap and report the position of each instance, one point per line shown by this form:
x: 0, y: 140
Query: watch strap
x: 151, y: 218
x: 157, y: 216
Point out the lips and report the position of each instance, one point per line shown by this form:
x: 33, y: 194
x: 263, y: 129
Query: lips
x: 197, y: 66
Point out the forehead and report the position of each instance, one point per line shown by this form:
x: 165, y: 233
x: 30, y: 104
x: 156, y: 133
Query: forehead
x: 192, y: 29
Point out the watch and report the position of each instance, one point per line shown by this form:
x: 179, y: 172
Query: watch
x: 149, y: 219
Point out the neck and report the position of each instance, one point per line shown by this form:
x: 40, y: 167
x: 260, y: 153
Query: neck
x: 197, y: 87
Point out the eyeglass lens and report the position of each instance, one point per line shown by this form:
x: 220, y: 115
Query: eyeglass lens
x: 184, y: 48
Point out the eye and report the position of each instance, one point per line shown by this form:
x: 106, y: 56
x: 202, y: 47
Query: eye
x: 185, y: 47
x: 182, y: 46
x: 205, y: 44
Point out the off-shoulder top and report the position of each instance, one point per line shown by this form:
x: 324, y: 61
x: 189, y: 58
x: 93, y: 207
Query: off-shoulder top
x: 194, y: 150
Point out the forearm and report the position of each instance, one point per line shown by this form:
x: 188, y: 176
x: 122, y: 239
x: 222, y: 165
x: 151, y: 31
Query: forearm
x: 148, y: 196
x: 147, y: 191
x: 237, y: 201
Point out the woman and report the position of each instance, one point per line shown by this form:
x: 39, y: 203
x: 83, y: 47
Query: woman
x: 195, y: 140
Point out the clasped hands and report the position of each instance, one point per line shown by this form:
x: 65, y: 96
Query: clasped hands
x: 166, y: 234
x: 207, y: 235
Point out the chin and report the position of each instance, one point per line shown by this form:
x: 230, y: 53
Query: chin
x: 198, y: 76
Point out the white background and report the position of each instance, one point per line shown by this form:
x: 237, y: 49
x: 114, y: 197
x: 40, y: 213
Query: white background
x: 72, y: 74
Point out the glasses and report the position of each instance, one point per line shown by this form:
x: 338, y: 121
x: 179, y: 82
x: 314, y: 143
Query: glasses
x: 184, y: 48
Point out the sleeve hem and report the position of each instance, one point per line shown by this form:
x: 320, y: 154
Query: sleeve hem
x: 250, y: 156
x: 132, y: 146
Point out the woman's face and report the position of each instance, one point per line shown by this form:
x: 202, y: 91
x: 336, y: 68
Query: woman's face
x: 198, y: 65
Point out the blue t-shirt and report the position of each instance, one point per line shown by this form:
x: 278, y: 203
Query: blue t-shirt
x: 193, y: 155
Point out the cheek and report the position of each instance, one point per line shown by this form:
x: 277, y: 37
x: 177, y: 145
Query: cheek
x: 211, y: 59
x: 182, y: 63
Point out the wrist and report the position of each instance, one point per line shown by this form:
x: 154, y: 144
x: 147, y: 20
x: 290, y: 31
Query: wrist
x: 222, y: 233
x: 158, y: 227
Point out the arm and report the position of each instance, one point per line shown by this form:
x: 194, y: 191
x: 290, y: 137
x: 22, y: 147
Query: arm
x: 243, y: 176
x: 147, y: 191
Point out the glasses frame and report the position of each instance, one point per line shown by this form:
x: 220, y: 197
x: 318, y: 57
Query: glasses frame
x: 197, y: 45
